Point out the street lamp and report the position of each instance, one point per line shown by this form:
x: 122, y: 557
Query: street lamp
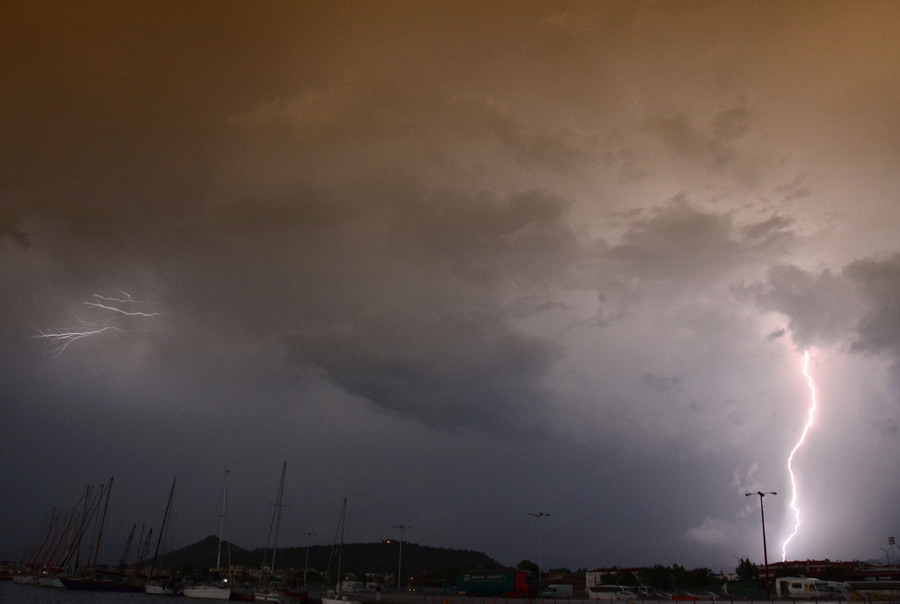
x: 539, y: 515
x: 400, y: 557
x: 762, y: 514
x: 306, y: 564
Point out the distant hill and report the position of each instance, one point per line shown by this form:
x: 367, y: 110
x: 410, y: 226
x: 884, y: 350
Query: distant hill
x: 381, y: 557
x: 202, y: 554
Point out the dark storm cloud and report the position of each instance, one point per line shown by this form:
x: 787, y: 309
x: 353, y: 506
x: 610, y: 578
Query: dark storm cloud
x: 681, y: 242
x: 439, y: 347
x: 821, y: 307
x: 855, y: 308
x: 677, y: 239
x: 878, y: 281
x: 444, y: 370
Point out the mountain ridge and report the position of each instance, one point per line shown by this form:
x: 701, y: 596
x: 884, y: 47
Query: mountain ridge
x: 378, y: 557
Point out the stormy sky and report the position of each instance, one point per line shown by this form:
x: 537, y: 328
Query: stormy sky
x: 457, y: 262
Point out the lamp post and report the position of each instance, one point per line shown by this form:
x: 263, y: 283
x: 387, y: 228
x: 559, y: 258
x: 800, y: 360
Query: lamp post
x: 539, y: 515
x: 887, y: 554
x: 762, y: 514
x: 306, y: 564
x: 400, y: 557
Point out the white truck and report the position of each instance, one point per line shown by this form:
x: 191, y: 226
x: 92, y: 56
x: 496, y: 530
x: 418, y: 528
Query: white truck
x: 557, y: 590
x: 352, y: 586
x: 807, y: 588
x: 610, y: 592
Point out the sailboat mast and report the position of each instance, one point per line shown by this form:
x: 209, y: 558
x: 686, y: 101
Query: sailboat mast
x: 277, y: 519
x: 162, y: 530
x: 267, y: 568
x: 341, y: 549
x: 102, y: 522
x: 222, y: 524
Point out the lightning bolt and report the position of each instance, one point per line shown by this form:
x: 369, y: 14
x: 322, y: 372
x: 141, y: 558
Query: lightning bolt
x: 112, y: 309
x: 126, y: 300
x: 809, y: 421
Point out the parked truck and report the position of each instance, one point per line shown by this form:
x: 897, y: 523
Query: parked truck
x: 807, y: 588
x: 352, y: 586
x: 610, y: 592
x: 557, y: 591
x: 504, y: 582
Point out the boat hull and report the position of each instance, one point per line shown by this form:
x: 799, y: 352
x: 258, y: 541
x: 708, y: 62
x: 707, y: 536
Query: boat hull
x: 100, y: 585
x: 170, y: 588
x: 207, y: 592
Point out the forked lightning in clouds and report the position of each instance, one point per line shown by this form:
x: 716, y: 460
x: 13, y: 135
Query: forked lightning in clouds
x: 112, y: 311
x: 110, y: 305
x: 812, y: 410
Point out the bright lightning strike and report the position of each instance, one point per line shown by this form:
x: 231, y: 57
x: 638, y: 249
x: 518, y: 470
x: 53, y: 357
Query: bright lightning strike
x: 812, y: 410
x: 112, y: 310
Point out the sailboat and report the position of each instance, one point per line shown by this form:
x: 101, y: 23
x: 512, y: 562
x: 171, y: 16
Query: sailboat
x: 336, y: 597
x: 108, y: 580
x: 204, y: 587
x: 268, y: 592
x: 162, y: 586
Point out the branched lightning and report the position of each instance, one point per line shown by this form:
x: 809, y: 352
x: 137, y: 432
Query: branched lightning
x: 812, y: 410
x: 126, y: 300
x: 119, y: 306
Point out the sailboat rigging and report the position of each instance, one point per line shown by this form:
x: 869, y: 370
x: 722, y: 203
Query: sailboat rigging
x: 203, y: 587
x: 162, y: 585
x: 336, y: 596
x: 268, y: 591
x: 105, y: 580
